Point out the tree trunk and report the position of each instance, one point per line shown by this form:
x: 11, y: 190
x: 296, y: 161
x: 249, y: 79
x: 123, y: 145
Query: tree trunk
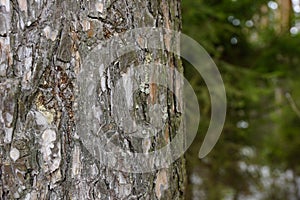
x: 285, y: 13
x: 42, y: 45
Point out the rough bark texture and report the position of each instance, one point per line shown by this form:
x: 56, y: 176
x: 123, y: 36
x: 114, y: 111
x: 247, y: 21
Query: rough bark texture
x: 42, y: 44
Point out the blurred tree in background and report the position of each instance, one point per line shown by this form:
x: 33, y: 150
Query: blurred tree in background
x: 256, y: 46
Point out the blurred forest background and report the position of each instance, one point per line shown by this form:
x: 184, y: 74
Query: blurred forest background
x: 256, y: 46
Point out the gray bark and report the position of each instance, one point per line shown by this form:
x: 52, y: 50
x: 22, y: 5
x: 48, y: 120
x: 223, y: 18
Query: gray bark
x: 42, y: 43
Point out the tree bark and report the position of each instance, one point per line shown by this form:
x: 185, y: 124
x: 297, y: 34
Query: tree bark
x: 285, y: 13
x: 42, y: 44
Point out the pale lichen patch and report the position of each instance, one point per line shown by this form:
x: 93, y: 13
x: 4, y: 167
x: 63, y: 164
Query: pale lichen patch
x: 49, y: 33
x: 9, y: 119
x: 99, y: 7
x: 8, y: 135
x: 6, y: 4
x: 53, y: 35
x: 41, y: 120
x: 52, y: 161
x: 49, y: 136
x: 14, y: 154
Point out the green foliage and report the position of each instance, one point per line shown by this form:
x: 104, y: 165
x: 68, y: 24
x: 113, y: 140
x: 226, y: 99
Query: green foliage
x: 260, y: 69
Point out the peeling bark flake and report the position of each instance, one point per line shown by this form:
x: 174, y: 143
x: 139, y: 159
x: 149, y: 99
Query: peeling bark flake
x: 161, y: 183
x: 23, y: 5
